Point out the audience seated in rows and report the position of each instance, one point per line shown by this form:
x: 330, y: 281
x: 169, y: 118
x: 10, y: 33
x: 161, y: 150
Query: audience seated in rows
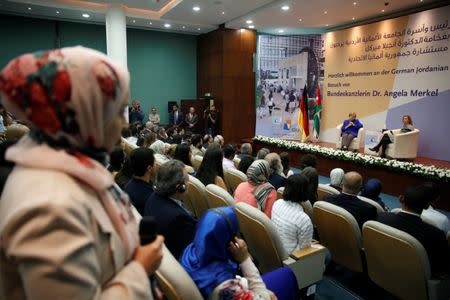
x: 162, y: 134
x: 219, y: 141
x: 292, y: 223
x: 313, y: 179
x: 124, y: 175
x: 140, y: 186
x: 413, y: 201
x: 308, y: 160
x: 337, y: 178
x: 207, y: 141
x: 228, y: 154
x: 276, y: 177
x: 431, y: 215
x: 246, y: 149
x: 149, y: 138
x: 372, y: 190
x: 284, y: 156
x: 257, y: 191
x: 116, y: 158
x: 246, y: 161
x: 183, y: 154
x: 174, y: 221
x: 159, y: 149
x: 211, y: 169
x: 262, y: 153
x: 196, y: 145
x: 217, y: 256
x: 349, y: 201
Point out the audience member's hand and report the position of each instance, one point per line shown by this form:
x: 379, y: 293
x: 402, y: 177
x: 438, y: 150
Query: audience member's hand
x: 238, y: 249
x: 150, y: 255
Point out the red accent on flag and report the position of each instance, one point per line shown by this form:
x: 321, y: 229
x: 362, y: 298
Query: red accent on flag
x: 304, y: 111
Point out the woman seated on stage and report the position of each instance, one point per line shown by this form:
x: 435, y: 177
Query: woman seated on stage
x: 388, y: 135
x: 221, y: 267
x: 349, y: 130
x: 257, y: 191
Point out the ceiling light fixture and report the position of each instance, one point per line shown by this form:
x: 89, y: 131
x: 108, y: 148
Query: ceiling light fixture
x: 325, y: 12
x: 86, y: 16
x: 198, y: 28
x: 285, y: 7
x: 57, y: 12
x: 150, y: 23
x: 251, y: 26
x: 353, y: 18
x: 249, y: 21
x: 196, y: 8
x: 326, y: 25
x: 280, y: 31
x: 382, y: 10
x: 29, y: 8
x: 354, y: 3
x: 223, y: 13
x: 300, y: 20
x: 167, y: 25
x: 134, y: 21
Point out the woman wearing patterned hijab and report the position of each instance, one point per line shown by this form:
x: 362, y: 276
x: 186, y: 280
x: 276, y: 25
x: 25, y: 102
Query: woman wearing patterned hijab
x: 257, y: 191
x: 67, y: 230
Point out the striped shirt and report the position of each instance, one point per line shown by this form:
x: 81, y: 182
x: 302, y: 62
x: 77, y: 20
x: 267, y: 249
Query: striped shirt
x: 293, y: 225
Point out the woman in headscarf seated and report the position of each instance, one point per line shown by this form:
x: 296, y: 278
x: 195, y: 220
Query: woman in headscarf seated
x: 276, y: 178
x: 337, y: 178
x: 159, y: 149
x: 313, y: 178
x: 67, y: 230
x: 220, y: 265
x: 257, y: 191
x: 372, y: 190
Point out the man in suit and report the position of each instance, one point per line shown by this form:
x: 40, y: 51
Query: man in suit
x: 348, y: 200
x: 191, y: 119
x: 175, y: 117
x: 140, y: 186
x: 135, y: 114
x: 174, y: 221
x: 413, y: 201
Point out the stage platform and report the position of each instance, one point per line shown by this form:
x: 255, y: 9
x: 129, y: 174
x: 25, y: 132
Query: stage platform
x: 394, y: 183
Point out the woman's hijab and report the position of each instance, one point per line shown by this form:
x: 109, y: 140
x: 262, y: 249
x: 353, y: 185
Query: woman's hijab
x: 73, y: 98
x: 372, y: 189
x: 159, y: 147
x: 337, y: 177
x: 313, y: 178
x: 207, y: 259
x: 258, y: 175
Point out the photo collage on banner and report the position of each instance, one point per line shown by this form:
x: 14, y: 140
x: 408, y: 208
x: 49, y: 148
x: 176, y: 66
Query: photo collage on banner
x: 286, y: 64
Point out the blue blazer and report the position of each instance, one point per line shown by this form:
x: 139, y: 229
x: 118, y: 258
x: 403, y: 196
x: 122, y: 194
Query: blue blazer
x: 175, y: 223
x: 172, y: 120
x: 353, y: 129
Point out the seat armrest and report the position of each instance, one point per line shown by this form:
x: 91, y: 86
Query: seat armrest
x: 302, y: 253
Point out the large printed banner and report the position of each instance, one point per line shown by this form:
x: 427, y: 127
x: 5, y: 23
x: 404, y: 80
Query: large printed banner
x: 385, y: 70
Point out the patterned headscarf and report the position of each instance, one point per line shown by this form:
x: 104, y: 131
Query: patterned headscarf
x: 258, y: 174
x: 336, y: 177
x: 73, y: 98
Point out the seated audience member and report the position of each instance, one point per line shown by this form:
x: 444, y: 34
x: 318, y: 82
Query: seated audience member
x: 175, y: 222
x: 257, y: 191
x: 124, y: 175
x: 413, y: 201
x: 388, y: 135
x: 211, y: 168
x: 216, y: 256
x: 135, y: 114
x: 159, y: 150
x: 246, y: 149
x: 116, y: 159
x: 262, y: 153
x: 196, y: 145
x: 66, y: 229
x: 183, y: 154
x: 162, y: 135
x: 207, y: 140
x: 140, y: 186
x: 219, y: 140
x: 308, y: 160
x: 126, y: 133
x: 149, y: 138
x: 372, y: 190
x: 349, y: 130
x: 284, y: 156
x: 432, y: 216
x: 134, y: 134
x: 153, y: 117
x: 172, y: 136
x: 149, y: 126
x: 337, y: 178
x: 349, y: 201
x: 245, y: 162
x: 170, y: 150
x: 228, y: 154
x: 276, y: 177
x: 313, y: 183
x: 293, y: 224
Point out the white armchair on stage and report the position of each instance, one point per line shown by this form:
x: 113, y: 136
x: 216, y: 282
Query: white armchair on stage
x: 404, y: 145
x: 356, y: 143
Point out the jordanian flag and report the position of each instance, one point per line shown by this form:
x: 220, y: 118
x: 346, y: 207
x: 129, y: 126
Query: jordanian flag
x: 317, y: 112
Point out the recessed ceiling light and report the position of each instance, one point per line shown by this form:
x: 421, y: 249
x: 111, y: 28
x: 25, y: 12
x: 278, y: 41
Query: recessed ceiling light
x: 353, y: 18
x: 251, y: 26
x: 167, y: 25
x: 249, y: 21
x: 300, y: 20
x: 223, y: 13
x: 29, y: 8
x: 85, y: 15
x: 382, y: 10
x: 421, y: 1
x: 280, y: 31
x: 198, y: 29
x: 196, y: 8
x: 326, y: 25
x: 57, y: 12
x: 285, y: 7
x: 184, y: 27
x: 354, y: 3
x: 325, y: 12
x: 150, y: 23
x: 134, y: 21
